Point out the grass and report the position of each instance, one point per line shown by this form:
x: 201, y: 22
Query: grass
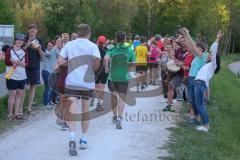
x: 223, y: 140
x: 2, y: 66
x: 4, y: 123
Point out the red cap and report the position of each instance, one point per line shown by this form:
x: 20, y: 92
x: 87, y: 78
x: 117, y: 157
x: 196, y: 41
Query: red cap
x: 101, y: 39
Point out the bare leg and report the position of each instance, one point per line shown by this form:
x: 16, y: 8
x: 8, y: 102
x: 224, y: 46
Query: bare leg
x: 151, y: 75
x: 170, y: 94
x: 11, y: 99
x: 114, y: 103
x: 144, y: 78
x: 85, y: 118
x: 121, y: 104
x: 31, y: 96
x: 101, y: 93
x: 19, y: 94
x: 155, y: 74
x: 97, y: 90
x: 22, y: 103
x: 73, y: 110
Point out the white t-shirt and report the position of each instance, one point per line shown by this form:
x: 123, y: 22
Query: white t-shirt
x: 80, y: 54
x: 20, y: 72
x: 207, y: 71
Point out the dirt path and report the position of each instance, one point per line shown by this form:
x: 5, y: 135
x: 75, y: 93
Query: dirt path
x: 235, y: 67
x: 41, y: 139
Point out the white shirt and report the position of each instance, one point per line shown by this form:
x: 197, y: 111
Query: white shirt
x: 20, y: 72
x: 76, y: 52
x: 207, y: 71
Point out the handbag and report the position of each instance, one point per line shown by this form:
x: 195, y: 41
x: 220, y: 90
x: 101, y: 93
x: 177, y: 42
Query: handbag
x: 58, y: 78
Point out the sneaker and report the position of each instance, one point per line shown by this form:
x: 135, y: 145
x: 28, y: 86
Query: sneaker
x: 138, y: 88
x: 174, y: 101
x: 65, y: 126
x: 163, y: 100
x: 99, y: 107
x: 168, y: 108
x: 72, y: 148
x: 49, y: 107
x: 150, y: 83
x: 202, y: 128
x: 58, y: 122
x: 145, y: 85
x: 119, y: 123
x: 83, y: 144
x: 114, y: 119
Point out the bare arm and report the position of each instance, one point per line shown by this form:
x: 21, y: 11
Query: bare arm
x: 190, y: 43
x: 106, y: 63
x: 96, y: 64
x: 60, y: 61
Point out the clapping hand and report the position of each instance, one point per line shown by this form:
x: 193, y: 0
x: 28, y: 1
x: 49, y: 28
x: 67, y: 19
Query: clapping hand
x: 220, y: 34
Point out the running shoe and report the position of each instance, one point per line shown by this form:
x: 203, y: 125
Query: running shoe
x: 114, y: 119
x: 58, y: 122
x: 168, y: 108
x: 99, y: 107
x: 65, y: 126
x: 83, y: 144
x: 119, y: 123
x: 49, y: 107
x: 72, y: 148
x: 150, y: 83
x: 202, y: 128
x: 138, y: 88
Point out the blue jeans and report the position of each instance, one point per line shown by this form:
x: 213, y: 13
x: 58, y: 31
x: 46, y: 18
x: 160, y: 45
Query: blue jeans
x: 200, y: 89
x: 47, y: 92
x: 191, y: 94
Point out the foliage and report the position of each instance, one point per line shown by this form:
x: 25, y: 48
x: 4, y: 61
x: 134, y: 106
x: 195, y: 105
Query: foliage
x: 202, y: 17
x: 6, y: 12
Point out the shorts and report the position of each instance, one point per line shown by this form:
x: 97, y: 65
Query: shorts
x: 15, y: 84
x: 101, y: 78
x: 152, y: 65
x: 119, y: 87
x: 141, y: 69
x: 175, y: 81
x: 83, y: 94
x: 33, y: 76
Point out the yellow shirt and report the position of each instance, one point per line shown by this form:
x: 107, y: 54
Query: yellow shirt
x: 141, y: 54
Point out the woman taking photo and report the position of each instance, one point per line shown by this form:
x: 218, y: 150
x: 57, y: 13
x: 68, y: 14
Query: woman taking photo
x: 16, y: 61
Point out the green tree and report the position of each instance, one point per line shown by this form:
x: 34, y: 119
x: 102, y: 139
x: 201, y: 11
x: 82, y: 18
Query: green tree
x: 6, y: 12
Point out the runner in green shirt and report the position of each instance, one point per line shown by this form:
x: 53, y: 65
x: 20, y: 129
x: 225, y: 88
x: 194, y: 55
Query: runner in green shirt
x: 119, y: 58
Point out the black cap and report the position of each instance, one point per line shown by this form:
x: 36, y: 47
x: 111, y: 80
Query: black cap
x: 32, y: 25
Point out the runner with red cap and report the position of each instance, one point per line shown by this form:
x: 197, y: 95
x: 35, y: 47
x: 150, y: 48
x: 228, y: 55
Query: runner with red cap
x: 101, y: 75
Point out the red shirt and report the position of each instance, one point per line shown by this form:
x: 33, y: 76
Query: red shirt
x: 160, y: 45
x: 187, y: 63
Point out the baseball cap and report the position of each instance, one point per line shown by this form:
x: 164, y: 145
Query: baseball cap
x: 19, y: 36
x: 101, y: 39
x: 33, y: 25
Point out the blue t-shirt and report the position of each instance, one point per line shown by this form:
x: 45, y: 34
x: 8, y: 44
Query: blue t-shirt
x: 197, y: 64
x: 136, y: 43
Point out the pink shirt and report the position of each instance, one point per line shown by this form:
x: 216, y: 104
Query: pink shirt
x: 154, y: 54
